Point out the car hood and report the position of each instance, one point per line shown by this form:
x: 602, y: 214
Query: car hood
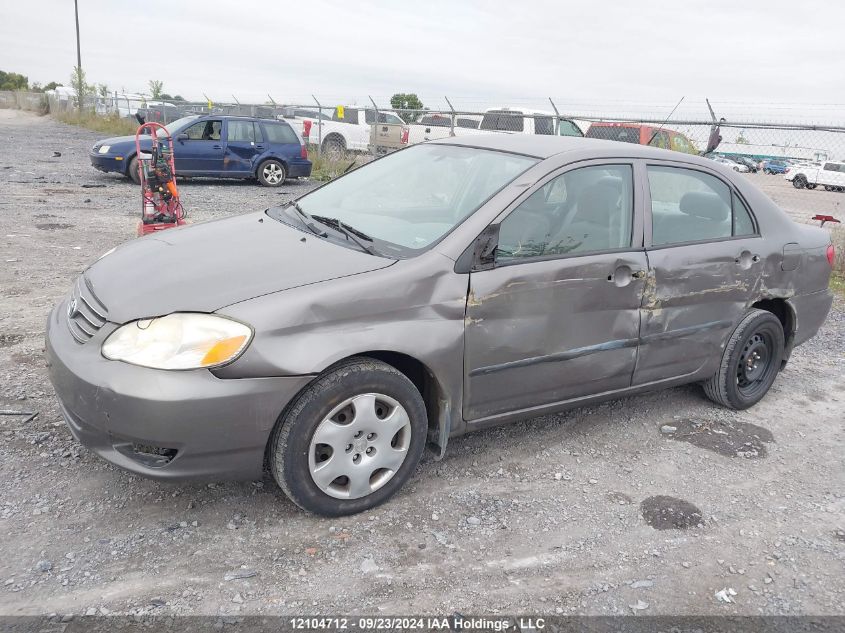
x: 205, y: 267
x: 124, y: 140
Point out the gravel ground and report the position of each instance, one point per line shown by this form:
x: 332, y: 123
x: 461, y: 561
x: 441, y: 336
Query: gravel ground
x: 561, y: 514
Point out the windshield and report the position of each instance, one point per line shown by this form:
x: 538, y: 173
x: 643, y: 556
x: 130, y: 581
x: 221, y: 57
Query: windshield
x: 412, y: 198
x: 178, y: 124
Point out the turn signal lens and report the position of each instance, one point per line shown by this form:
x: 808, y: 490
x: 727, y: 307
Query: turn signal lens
x: 223, y: 351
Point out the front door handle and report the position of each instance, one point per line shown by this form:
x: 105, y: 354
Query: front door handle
x: 216, y: 147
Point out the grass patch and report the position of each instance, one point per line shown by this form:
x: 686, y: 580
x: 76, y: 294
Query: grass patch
x: 112, y: 125
x: 326, y: 167
x: 837, y: 278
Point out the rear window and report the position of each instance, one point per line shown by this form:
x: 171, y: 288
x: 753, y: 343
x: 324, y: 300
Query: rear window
x: 467, y: 123
x: 503, y: 121
x: 436, y: 121
x: 544, y: 125
x: 280, y: 133
x: 623, y: 133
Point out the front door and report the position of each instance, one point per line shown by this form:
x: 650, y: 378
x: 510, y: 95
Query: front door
x: 244, y: 143
x: 704, y: 267
x: 557, y: 316
x: 198, y: 149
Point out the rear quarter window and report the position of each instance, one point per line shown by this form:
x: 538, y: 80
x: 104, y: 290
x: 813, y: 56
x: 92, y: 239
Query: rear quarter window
x: 280, y: 133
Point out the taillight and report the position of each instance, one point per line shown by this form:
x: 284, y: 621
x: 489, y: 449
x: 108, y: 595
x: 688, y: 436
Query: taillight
x: 404, y: 138
x: 306, y: 129
x: 831, y: 254
x: 303, y: 151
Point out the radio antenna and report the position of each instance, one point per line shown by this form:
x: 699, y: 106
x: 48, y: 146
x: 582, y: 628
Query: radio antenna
x: 664, y: 122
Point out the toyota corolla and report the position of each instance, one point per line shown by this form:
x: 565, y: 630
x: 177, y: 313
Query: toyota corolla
x: 444, y: 288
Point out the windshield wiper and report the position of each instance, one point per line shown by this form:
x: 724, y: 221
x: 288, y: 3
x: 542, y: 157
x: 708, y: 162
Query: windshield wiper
x: 308, y: 220
x: 350, y: 232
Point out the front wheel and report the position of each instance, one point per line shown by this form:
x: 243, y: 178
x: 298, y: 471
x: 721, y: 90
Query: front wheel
x: 811, y: 185
x: 799, y: 182
x: 750, y: 362
x: 350, y: 440
x: 132, y: 171
x: 272, y: 173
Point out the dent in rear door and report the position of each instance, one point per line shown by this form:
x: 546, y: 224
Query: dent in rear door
x: 697, y: 290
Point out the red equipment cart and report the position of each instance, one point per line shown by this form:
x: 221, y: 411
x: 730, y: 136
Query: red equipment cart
x: 160, y: 205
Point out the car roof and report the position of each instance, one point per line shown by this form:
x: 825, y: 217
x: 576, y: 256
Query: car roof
x: 545, y: 146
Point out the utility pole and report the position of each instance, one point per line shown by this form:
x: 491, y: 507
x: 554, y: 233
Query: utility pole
x: 80, y: 88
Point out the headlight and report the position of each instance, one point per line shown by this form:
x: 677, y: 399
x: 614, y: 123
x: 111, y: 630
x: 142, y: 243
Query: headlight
x: 178, y: 341
x: 104, y: 149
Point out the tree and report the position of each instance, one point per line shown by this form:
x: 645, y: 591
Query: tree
x: 409, y: 101
x: 52, y: 86
x: 13, y: 81
x: 156, y: 88
x: 103, y: 90
x: 81, y: 88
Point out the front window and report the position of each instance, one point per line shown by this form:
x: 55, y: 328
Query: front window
x: 582, y: 211
x: 177, y: 125
x: 208, y: 130
x: 503, y: 121
x: 410, y: 199
x: 568, y: 128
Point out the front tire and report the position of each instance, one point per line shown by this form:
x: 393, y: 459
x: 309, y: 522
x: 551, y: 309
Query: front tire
x: 272, y: 173
x: 132, y: 171
x: 750, y: 362
x: 350, y: 440
x: 799, y: 182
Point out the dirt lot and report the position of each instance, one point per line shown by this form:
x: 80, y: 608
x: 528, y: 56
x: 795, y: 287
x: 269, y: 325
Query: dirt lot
x: 550, y: 515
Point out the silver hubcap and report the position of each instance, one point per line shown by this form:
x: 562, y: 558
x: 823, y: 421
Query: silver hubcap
x: 273, y: 173
x: 359, y: 446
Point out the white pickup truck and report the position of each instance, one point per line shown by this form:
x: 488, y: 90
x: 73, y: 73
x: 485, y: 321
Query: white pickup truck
x: 830, y: 174
x: 350, y: 133
x: 505, y: 120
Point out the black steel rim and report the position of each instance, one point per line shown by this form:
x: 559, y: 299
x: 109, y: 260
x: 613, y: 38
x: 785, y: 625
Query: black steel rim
x: 755, y: 364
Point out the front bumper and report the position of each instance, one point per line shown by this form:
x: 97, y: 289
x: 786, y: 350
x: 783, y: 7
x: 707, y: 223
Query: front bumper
x: 163, y: 424
x: 107, y: 163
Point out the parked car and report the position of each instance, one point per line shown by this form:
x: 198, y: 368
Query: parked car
x: 350, y: 133
x: 160, y: 112
x: 730, y: 164
x: 772, y: 166
x: 420, y: 297
x: 744, y: 160
x: 641, y: 134
x: 217, y: 146
x: 525, y: 121
x: 830, y: 174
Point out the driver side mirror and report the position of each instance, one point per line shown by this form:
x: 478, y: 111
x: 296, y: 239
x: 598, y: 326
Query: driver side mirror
x: 182, y: 137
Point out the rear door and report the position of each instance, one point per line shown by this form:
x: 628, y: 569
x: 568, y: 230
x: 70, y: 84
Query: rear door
x: 557, y: 316
x: 244, y: 143
x: 704, y: 267
x: 198, y: 149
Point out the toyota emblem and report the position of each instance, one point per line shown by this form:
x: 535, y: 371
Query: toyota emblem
x: 71, y: 309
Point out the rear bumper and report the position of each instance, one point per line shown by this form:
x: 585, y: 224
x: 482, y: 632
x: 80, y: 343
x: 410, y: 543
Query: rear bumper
x: 163, y: 424
x: 106, y: 163
x: 300, y: 168
x: 810, y: 311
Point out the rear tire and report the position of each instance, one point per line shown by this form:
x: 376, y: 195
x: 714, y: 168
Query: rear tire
x: 372, y: 422
x: 334, y: 147
x: 750, y: 362
x: 271, y: 173
x: 811, y: 185
x: 132, y: 171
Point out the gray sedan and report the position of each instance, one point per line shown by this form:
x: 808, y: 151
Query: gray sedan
x: 443, y: 288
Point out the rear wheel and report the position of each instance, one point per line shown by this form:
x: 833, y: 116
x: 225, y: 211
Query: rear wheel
x: 334, y: 147
x: 272, y: 173
x: 132, y: 171
x: 811, y: 185
x: 750, y: 362
x: 350, y: 440
x: 828, y: 188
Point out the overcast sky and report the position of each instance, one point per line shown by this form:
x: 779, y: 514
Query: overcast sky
x: 610, y: 55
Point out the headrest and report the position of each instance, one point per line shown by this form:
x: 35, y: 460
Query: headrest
x: 702, y: 204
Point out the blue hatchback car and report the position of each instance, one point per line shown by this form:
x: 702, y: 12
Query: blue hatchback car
x: 217, y: 146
